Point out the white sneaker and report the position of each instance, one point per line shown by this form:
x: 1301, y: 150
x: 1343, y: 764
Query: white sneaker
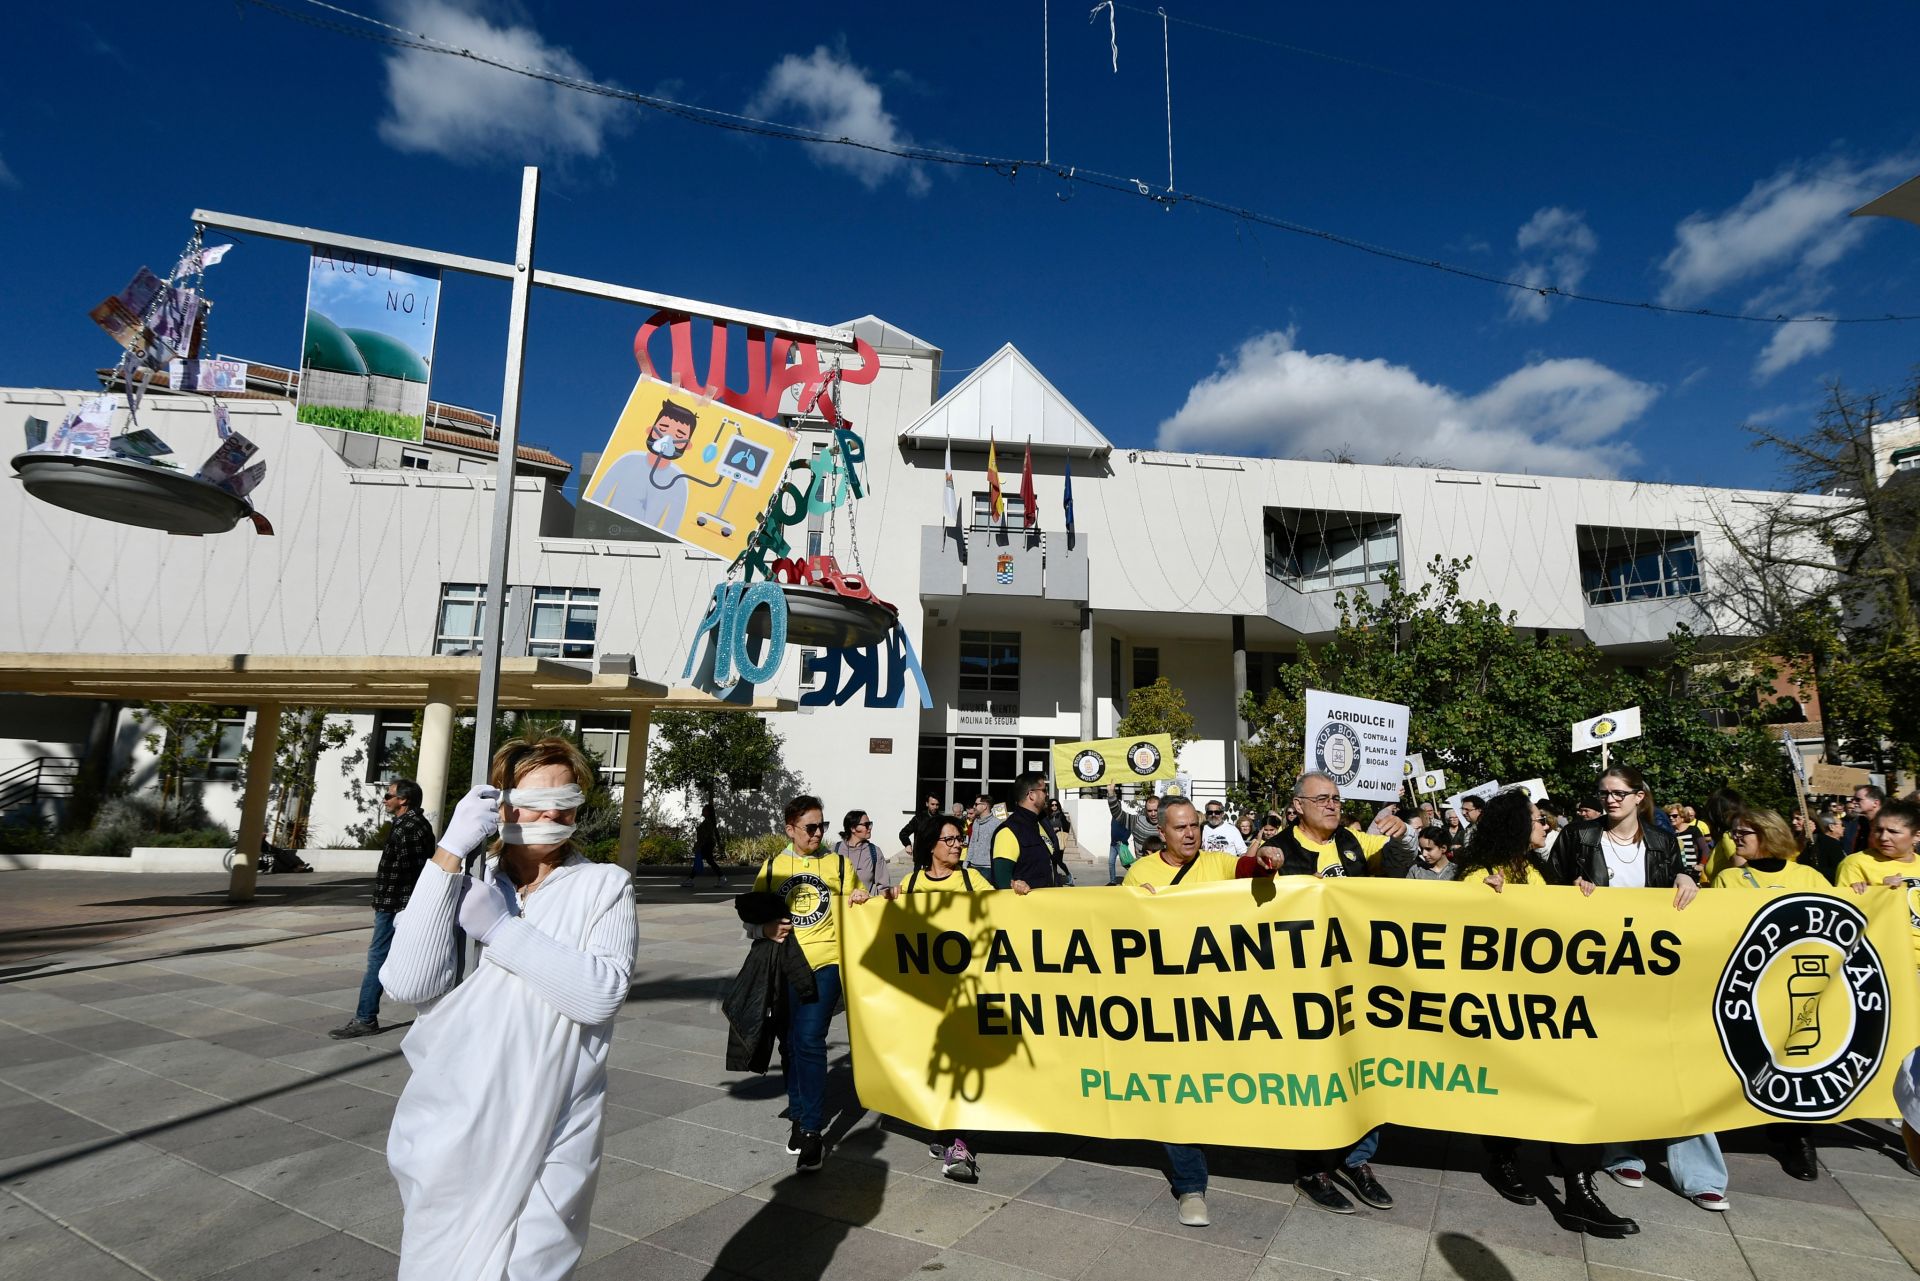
x: 1716, y: 1201
x: 1193, y: 1210
x: 1628, y: 1177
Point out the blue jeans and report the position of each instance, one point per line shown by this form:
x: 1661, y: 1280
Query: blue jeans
x: 368, y: 1011
x: 1113, y: 860
x: 1189, y: 1168
x: 807, y: 1044
x: 1695, y: 1163
x: 1325, y: 1162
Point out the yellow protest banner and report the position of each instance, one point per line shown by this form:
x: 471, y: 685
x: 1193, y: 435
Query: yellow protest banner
x: 1300, y: 1013
x: 1098, y: 762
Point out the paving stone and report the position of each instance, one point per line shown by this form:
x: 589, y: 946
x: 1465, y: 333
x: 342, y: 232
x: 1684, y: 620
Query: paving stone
x: 958, y: 1265
x: 262, y: 1139
x: 1672, y: 1251
x: 1763, y: 1175
x: 112, y: 1034
x: 86, y: 1182
x: 840, y: 1252
x: 1456, y: 1257
x: 1142, y: 1255
x: 285, y: 1178
x: 195, y: 1227
x: 739, y: 1232
x: 1363, y: 1246
x: 1904, y: 1234
x: 1104, y: 1193
x: 46, y: 1250
x: 696, y: 1152
x: 643, y: 1260
x: 1042, y: 1239
x: 659, y: 1094
x: 648, y: 1200
x: 1772, y: 1261
x: 136, y: 1109
x: 1820, y: 1226
x: 1272, y: 1269
x: 27, y: 1128
x: 1892, y: 1194
x: 337, y: 1257
x: 1240, y: 1222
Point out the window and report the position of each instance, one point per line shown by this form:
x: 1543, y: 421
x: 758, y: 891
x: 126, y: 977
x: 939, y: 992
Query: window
x: 1114, y: 668
x: 416, y: 460
x: 1012, y: 504
x: 989, y: 664
x: 1315, y: 552
x: 463, y: 611
x: 1618, y: 565
x: 1906, y: 459
x: 392, y: 734
x: 226, y: 749
x: 1263, y: 671
x: 1146, y: 666
x: 564, y: 622
x: 608, y: 747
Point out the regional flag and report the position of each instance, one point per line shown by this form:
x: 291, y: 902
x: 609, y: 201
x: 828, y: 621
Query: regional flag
x: 1066, y: 500
x: 953, y: 502
x: 1028, y: 499
x: 996, y: 507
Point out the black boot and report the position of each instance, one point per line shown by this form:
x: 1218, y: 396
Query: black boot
x: 1504, y: 1175
x: 1586, y: 1212
x: 1799, y: 1161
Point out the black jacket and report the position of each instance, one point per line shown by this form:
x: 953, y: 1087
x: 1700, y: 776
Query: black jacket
x: 919, y: 826
x: 756, y: 1004
x: 1039, y: 848
x: 1576, y: 855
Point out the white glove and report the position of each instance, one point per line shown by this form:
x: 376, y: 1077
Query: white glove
x: 475, y: 819
x: 482, y: 908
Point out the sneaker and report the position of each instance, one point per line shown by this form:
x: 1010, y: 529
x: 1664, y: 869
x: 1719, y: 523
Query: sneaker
x: 355, y: 1028
x: 813, y: 1152
x: 793, y: 1141
x: 1628, y: 1177
x: 1193, y: 1210
x: 1711, y: 1201
x: 957, y: 1163
x: 1365, y: 1186
x: 1319, y: 1189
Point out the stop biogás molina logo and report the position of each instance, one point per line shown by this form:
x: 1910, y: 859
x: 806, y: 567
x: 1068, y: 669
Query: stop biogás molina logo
x: 1337, y: 753
x: 1802, y: 1007
x: 1605, y: 727
x: 1089, y: 765
x: 808, y: 899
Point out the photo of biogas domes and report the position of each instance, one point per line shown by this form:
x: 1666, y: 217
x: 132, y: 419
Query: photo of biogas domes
x: 368, y: 350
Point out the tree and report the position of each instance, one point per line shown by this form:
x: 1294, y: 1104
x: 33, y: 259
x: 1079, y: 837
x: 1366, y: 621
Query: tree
x: 1159, y: 708
x: 730, y: 758
x: 1837, y: 579
x: 181, y: 736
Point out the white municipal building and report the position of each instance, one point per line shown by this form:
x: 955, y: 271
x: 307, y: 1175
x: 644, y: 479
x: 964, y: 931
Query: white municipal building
x: 1205, y: 569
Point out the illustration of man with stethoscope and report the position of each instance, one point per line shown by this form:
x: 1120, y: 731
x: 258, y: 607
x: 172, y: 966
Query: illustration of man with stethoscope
x: 650, y: 487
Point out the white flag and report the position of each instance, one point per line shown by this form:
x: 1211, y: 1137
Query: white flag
x: 953, y: 502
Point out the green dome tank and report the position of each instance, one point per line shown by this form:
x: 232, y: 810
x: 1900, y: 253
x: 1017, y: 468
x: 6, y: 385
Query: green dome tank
x: 388, y: 357
x: 328, y: 347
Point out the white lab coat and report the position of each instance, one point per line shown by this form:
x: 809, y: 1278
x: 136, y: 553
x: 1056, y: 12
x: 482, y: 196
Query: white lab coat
x: 496, y: 1140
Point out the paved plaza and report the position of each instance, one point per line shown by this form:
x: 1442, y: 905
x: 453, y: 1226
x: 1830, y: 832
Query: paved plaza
x: 170, y: 1106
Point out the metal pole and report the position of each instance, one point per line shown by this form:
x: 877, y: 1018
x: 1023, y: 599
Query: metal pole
x: 487, y: 702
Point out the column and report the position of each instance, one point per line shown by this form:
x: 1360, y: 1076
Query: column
x: 1234, y: 759
x: 253, y: 805
x: 436, y: 742
x: 1089, y: 723
x: 639, y: 720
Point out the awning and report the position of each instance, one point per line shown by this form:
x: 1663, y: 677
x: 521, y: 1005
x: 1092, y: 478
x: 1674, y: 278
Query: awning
x: 536, y: 684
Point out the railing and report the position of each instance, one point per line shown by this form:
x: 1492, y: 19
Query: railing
x: 41, y: 776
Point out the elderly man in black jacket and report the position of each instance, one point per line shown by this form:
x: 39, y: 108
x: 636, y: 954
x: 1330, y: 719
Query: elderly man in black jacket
x: 409, y: 846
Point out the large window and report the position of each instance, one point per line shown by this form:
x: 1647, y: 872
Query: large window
x: 1618, y: 565
x: 609, y: 748
x: 1313, y: 552
x: 989, y: 666
x: 1012, y: 504
x: 392, y: 734
x: 463, y: 610
x: 565, y: 620
x: 1146, y: 666
x: 226, y: 749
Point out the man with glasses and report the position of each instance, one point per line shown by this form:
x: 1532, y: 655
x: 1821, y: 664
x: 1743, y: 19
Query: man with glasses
x: 1024, y: 848
x: 981, y: 825
x: 1317, y: 845
x: 1219, y: 836
x: 409, y: 846
x: 1862, y: 808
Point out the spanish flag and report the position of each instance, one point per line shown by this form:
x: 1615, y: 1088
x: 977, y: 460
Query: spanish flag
x: 996, y: 505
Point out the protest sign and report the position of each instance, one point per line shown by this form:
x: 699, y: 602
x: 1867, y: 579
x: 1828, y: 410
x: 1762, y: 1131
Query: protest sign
x: 1098, y: 762
x: 1301, y: 1013
x: 1536, y: 788
x: 1416, y: 765
x: 1360, y: 743
x: 1481, y: 792
x: 366, y: 357
x: 694, y: 469
x: 1431, y: 781
x: 1610, y: 728
x: 1177, y: 784
x: 1836, y: 780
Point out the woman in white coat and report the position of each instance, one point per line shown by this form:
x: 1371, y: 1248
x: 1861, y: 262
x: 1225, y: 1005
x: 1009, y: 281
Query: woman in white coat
x: 496, y: 1140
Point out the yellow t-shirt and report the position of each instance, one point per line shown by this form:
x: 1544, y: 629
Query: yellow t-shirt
x: 962, y: 880
x: 813, y: 887
x: 1865, y: 866
x: 1793, y: 876
x: 1720, y: 859
x: 1208, y: 865
x: 1327, y: 854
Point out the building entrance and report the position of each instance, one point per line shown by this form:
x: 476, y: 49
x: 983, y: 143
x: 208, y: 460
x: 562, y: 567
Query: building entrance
x: 959, y: 767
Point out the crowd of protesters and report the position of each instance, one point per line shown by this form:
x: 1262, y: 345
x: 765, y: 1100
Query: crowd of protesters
x: 1615, y: 838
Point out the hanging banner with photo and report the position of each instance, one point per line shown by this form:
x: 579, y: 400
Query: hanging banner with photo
x: 1100, y: 762
x: 1610, y: 728
x: 1360, y: 743
x: 367, y: 354
x: 696, y: 470
x: 1301, y: 1013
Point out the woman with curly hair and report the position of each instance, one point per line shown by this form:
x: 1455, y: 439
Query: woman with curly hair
x: 495, y: 1142
x: 1504, y: 852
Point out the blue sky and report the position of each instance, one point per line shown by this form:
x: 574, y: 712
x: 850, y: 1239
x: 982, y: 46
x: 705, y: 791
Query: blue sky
x: 1672, y: 153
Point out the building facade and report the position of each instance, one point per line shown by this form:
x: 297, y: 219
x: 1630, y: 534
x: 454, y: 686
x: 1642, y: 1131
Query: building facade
x: 1208, y: 570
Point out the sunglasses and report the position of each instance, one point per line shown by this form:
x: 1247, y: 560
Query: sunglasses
x: 812, y: 829
x: 1742, y: 833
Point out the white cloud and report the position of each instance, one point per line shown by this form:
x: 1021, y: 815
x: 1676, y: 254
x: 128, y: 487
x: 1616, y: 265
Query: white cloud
x: 837, y: 98
x: 1795, y: 220
x: 1269, y: 398
x: 468, y: 111
x: 1791, y: 344
x: 1556, y: 246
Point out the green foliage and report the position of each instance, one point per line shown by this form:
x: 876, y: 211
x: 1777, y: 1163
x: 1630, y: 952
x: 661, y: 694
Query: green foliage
x: 123, y: 823
x: 752, y: 851
x: 664, y: 847
x: 180, y: 736
x: 374, y: 422
x: 1159, y: 708
x: 703, y: 752
x: 1488, y: 700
